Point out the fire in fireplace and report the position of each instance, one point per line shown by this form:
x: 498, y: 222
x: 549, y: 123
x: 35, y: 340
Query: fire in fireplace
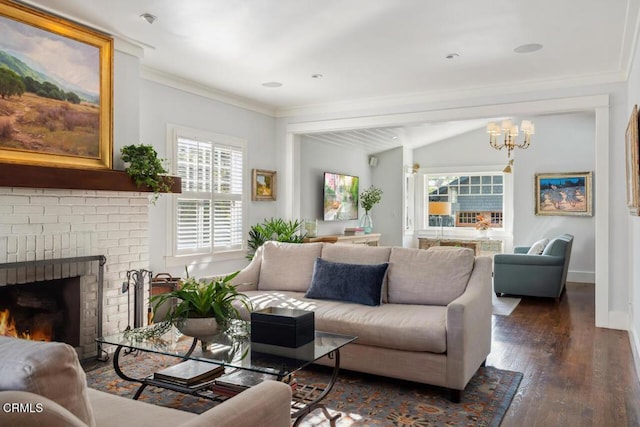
x: 42, y: 311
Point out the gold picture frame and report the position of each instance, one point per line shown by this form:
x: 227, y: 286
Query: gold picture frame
x: 632, y: 163
x: 263, y: 185
x: 57, y: 110
x: 563, y: 194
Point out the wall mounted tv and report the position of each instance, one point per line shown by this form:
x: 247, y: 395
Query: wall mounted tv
x: 340, y: 197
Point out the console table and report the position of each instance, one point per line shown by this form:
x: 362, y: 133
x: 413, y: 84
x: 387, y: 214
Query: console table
x: 372, y: 239
x: 480, y: 246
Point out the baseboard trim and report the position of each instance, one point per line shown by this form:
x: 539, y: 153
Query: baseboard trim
x: 581, y: 276
x: 634, y: 340
x: 618, y: 320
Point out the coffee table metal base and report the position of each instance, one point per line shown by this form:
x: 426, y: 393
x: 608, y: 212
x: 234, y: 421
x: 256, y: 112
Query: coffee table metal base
x: 305, y: 398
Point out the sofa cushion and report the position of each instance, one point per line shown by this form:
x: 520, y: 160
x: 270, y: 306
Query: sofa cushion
x: 49, y: 369
x: 404, y: 327
x: 358, y: 254
x: 357, y: 283
x: 428, y: 276
x: 288, y: 266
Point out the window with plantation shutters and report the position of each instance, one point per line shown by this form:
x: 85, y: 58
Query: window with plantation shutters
x: 208, y: 212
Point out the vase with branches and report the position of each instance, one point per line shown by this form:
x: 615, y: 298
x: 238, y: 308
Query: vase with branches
x: 368, y: 199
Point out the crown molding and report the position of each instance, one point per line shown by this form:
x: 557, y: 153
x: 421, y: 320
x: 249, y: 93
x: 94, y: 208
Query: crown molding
x: 451, y: 95
x: 195, y: 88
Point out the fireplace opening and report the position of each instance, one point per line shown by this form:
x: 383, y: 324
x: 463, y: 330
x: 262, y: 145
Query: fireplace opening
x: 42, y: 311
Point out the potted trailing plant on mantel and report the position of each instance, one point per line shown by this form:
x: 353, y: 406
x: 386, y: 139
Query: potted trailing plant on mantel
x: 146, y: 169
x: 369, y: 197
x: 199, y: 309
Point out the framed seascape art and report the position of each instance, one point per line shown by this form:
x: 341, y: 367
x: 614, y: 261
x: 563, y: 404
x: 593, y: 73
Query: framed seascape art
x: 564, y: 194
x: 633, y: 163
x: 55, y: 91
x: 263, y: 185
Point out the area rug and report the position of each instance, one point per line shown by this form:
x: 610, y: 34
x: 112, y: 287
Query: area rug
x: 504, y: 306
x: 363, y: 400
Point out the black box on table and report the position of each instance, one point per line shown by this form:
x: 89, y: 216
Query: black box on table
x: 286, y: 327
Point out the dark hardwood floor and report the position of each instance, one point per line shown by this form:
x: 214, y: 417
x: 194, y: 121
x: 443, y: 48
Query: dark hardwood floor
x: 574, y: 373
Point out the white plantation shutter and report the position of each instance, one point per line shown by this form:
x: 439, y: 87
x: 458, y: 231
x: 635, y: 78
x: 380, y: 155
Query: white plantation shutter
x: 227, y: 196
x: 209, y: 216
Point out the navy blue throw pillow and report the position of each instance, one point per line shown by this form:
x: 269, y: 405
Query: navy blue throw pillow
x: 357, y: 283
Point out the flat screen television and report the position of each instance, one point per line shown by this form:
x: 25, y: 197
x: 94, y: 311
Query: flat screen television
x: 340, y: 197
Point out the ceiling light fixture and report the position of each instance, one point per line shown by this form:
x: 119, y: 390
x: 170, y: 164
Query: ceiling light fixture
x: 316, y: 76
x: 510, y: 133
x: 149, y: 17
x: 528, y: 48
x: 272, y: 84
x: 452, y: 56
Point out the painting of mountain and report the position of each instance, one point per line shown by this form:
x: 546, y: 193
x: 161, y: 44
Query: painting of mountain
x: 50, y: 86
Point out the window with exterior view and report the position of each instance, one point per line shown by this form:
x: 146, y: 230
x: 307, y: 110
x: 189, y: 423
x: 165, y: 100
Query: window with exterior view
x: 208, y: 212
x: 463, y: 198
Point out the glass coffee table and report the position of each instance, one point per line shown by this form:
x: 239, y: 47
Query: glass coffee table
x: 239, y: 355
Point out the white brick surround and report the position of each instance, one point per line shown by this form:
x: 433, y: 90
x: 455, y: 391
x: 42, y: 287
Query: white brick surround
x: 49, y: 224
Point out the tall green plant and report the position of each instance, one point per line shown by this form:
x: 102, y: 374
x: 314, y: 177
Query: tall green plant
x: 274, y: 229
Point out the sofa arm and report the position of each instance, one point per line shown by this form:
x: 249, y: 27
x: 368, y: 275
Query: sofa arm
x: 36, y: 410
x: 247, y: 279
x: 521, y: 249
x: 267, y: 404
x: 469, y: 326
x: 520, y: 259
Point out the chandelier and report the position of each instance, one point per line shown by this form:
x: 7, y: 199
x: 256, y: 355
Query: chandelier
x: 510, y: 133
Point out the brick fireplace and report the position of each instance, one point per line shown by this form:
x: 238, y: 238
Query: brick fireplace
x: 48, y: 224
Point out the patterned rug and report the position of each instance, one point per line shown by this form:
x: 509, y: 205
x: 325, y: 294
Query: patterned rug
x: 363, y: 400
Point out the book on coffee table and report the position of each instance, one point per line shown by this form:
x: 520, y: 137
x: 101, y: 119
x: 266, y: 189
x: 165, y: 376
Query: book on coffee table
x: 189, y: 372
x: 241, y: 379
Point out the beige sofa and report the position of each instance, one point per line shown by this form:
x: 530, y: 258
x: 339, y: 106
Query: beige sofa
x: 44, y: 384
x: 434, y: 323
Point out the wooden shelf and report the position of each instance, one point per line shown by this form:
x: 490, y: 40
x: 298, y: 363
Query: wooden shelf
x: 372, y: 239
x: 32, y: 176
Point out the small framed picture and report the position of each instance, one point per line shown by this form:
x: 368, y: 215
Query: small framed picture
x: 564, y: 194
x: 263, y: 185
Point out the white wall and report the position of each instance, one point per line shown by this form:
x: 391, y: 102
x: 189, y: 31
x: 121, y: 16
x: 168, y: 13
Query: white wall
x: 161, y: 105
x: 633, y: 224
x: 317, y: 158
x: 562, y: 143
x: 388, y: 175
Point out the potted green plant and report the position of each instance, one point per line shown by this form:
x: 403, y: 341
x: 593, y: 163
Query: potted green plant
x: 274, y: 229
x: 199, y: 309
x: 369, y: 197
x: 146, y: 169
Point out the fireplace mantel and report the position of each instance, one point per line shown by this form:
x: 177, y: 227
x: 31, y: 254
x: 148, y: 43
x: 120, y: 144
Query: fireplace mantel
x: 33, y: 176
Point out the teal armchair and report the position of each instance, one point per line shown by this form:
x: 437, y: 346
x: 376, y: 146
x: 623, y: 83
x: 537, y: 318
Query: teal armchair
x: 542, y: 275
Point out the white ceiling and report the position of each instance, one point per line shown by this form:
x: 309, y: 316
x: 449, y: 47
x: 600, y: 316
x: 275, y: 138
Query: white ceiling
x: 367, y: 50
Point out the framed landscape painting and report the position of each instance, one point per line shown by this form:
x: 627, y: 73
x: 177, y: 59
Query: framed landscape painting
x: 633, y: 163
x: 55, y: 91
x: 564, y: 194
x: 263, y: 185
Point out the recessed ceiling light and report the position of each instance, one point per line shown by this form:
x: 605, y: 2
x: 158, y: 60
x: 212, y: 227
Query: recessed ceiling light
x: 528, y: 48
x: 271, y: 84
x: 149, y: 17
x: 316, y: 76
x: 452, y: 56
